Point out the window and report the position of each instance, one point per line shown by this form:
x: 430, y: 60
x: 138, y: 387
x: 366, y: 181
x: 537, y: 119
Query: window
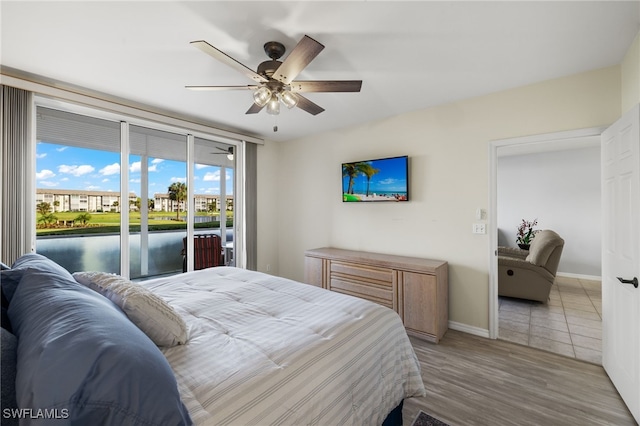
x: 77, y: 163
x: 83, y: 203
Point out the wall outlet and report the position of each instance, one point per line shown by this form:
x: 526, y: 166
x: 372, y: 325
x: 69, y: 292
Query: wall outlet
x: 479, y: 228
x: 268, y: 267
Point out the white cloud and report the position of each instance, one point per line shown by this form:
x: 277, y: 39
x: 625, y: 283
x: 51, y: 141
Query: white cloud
x: 178, y: 179
x: 38, y: 156
x: 111, y: 169
x: 157, y: 161
x: 64, y: 148
x: 105, y: 180
x: 45, y: 174
x: 47, y: 183
x: 136, y: 167
x: 134, y: 180
x: 212, y: 176
x: 201, y: 166
x: 92, y: 188
x: 75, y: 170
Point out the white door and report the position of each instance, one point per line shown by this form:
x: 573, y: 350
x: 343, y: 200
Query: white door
x: 621, y: 257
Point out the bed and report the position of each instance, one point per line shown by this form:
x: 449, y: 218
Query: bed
x: 247, y: 349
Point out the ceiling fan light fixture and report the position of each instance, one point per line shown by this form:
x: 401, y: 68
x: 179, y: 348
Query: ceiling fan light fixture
x: 262, y: 96
x: 273, y: 107
x: 289, y: 99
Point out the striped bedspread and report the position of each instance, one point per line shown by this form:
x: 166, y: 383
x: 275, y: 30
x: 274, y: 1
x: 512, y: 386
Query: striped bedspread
x: 264, y: 350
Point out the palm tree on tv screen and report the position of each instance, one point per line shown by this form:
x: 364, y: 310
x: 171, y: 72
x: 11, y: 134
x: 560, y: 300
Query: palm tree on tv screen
x: 368, y: 170
x: 351, y: 170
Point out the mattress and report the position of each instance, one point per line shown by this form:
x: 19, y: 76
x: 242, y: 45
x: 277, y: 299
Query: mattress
x: 267, y: 350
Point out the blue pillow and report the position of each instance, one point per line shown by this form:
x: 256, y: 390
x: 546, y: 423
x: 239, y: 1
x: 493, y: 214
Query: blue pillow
x: 10, y: 278
x: 8, y: 346
x: 79, y: 354
x: 38, y: 261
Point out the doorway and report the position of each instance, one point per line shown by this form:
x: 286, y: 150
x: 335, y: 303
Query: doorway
x: 532, y: 316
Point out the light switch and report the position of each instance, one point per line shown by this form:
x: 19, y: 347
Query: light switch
x: 479, y: 228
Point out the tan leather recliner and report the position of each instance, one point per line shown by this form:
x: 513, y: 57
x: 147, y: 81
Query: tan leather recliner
x: 530, y: 275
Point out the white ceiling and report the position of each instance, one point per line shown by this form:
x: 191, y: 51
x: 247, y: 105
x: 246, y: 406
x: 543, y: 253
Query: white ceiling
x: 410, y: 55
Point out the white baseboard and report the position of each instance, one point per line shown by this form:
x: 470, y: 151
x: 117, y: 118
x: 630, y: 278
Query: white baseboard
x: 477, y: 331
x: 579, y: 276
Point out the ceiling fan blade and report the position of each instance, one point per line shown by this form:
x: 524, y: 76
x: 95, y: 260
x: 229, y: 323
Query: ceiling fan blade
x: 304, y: 52
x: 255, y: 108
x: 215, y: 88
x: 223, y: 57
x: 326, y: 86
x: 307, y: 105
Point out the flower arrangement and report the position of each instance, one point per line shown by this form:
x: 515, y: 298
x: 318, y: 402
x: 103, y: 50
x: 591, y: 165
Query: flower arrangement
x: 526, y: 233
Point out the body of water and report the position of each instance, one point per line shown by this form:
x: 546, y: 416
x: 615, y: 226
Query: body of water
x: 102, y: 252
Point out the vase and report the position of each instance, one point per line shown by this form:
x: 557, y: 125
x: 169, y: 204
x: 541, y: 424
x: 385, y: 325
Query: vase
x: 524, y: 246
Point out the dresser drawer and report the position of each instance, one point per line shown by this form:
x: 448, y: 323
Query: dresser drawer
x: 382, y: 276
x: 364, y: 290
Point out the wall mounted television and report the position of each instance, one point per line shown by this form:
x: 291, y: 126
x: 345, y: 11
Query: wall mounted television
x: 383, y: 179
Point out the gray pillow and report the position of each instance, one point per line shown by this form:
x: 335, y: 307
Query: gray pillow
x: 9, y: 279
x: 8, y: 347
x: 79, y: 354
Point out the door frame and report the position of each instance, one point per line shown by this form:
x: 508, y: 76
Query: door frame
x: 530, y: 141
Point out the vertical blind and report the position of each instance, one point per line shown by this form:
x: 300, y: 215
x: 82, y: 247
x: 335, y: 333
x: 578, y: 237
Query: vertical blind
x: 17, y: 226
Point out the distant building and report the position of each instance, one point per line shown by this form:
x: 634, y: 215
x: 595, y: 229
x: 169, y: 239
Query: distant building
x: 76, y: 200
x: 162, y: 202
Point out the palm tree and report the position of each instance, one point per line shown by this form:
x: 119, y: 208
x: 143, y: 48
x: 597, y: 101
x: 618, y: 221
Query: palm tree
x: 367, y: 170
x: 351, y: 170
x: 47, y: 219
x: 83, y: 218
x: 178, y: 193
x: 43, y: 208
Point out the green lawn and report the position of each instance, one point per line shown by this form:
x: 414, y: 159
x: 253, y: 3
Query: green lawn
x: 110, y: 222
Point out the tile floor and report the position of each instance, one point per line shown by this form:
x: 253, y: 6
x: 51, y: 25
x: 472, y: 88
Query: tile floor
x: 570, y: 324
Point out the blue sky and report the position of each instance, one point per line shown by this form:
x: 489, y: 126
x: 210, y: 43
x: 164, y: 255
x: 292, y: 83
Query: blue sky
x: 392, y: 177
x: 68, y: 167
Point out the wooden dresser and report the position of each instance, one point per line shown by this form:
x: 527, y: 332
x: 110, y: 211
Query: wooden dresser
x: 417, y: 289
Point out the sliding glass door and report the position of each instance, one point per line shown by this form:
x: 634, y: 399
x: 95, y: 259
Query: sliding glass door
x: 85, y: 196
x: 78, y: 202
x: 213, y: 195
x: 158, y: 218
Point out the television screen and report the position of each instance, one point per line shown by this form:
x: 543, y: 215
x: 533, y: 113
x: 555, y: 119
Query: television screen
x: 384, y: 179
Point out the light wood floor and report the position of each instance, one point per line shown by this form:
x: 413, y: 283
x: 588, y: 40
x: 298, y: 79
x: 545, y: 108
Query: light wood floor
x: 471, y: 380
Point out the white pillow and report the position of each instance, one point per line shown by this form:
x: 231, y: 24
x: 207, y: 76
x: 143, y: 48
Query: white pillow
x: 155, y: 317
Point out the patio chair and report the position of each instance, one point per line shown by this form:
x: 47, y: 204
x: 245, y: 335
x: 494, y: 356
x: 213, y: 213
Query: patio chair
x: 207, y: 249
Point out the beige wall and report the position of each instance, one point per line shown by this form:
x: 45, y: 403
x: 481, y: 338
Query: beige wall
x: 630, y: 75
x: 448, y: 148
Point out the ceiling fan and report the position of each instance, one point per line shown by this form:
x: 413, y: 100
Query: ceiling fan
x: 228, y: 152
x: 276, y: 80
